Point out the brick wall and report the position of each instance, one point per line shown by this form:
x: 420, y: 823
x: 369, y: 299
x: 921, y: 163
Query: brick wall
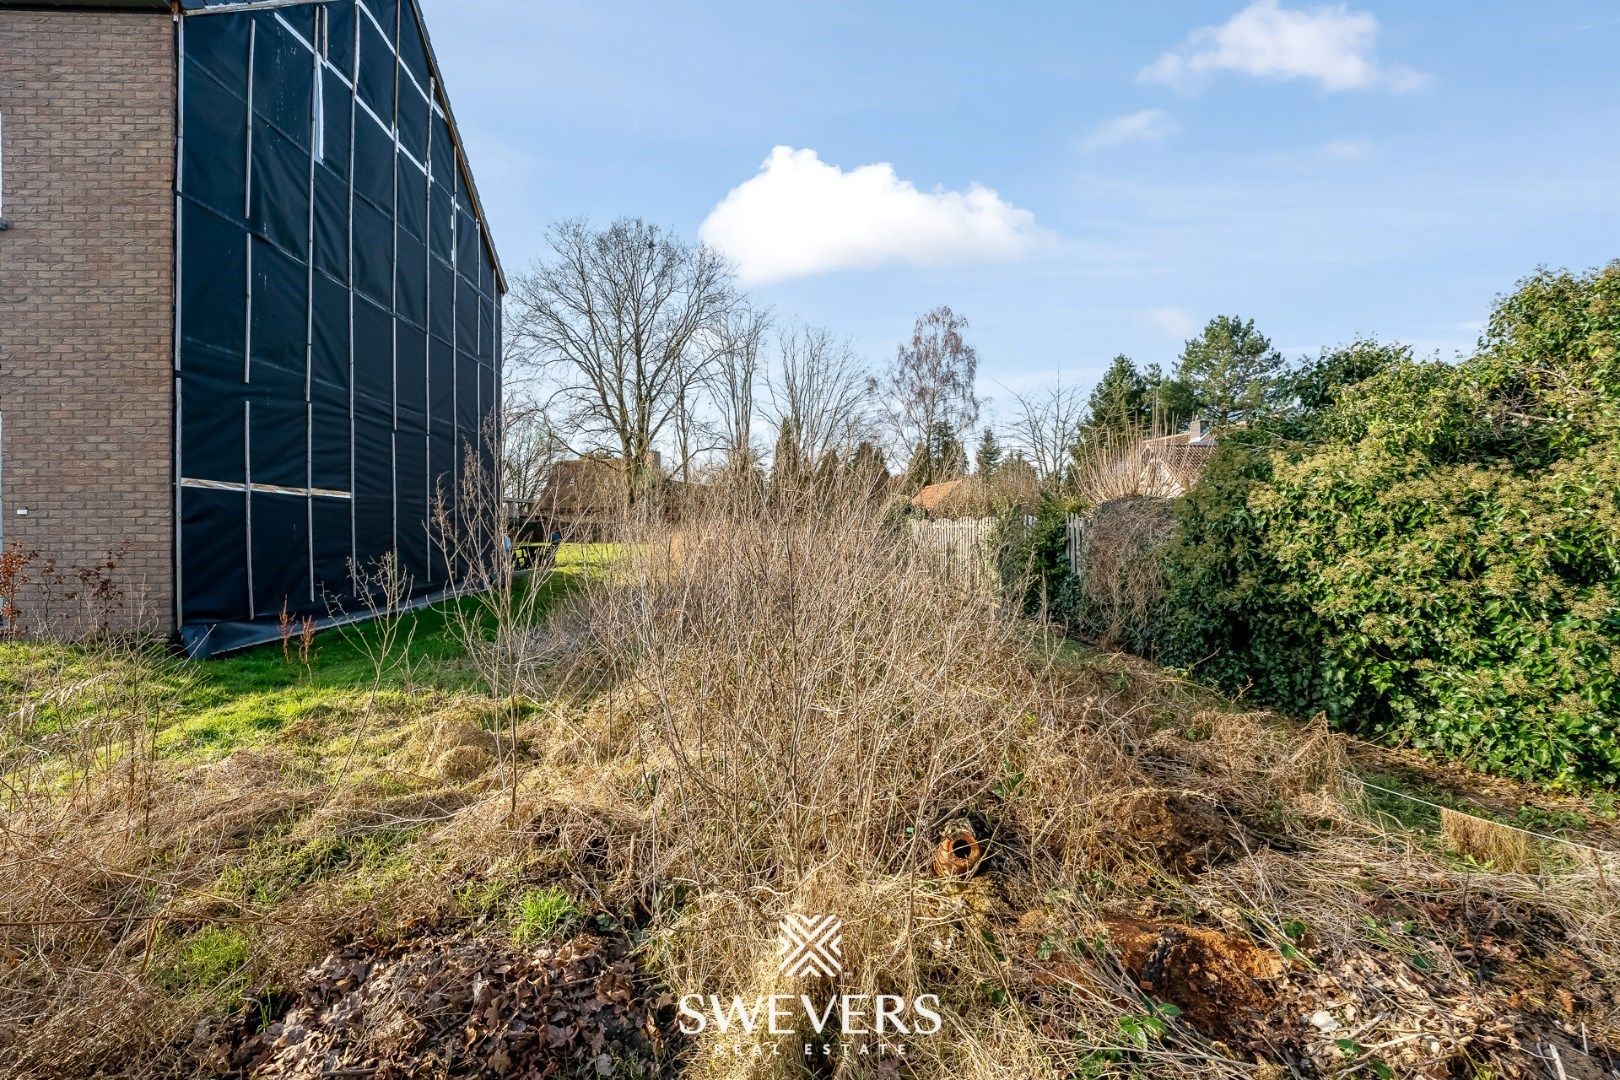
x: 86, y: 269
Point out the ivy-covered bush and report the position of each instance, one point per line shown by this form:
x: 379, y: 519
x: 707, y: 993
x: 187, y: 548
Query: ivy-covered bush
x: 1433, y: 557
x: 1032, y: 562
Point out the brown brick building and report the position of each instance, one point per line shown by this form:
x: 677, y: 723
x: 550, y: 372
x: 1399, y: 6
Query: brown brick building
x: 249, y: 307
x: 86, y: 290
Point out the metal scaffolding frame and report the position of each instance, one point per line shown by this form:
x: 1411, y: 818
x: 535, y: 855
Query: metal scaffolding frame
x: 337, y: 314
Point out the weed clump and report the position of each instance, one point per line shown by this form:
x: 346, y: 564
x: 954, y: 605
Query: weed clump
x: 540, y: 914
x: 782, y: 712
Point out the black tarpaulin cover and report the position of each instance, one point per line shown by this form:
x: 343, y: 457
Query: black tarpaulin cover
x: 338, y: 313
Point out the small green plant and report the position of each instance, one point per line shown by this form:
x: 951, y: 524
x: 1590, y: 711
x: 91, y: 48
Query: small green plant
x: 1146, y: 1027
x: 213, y: 962
x: 1536, y: 819
x: 1294, y: 930
x: 482, y: 899
x: 1375, y: 1065
x: 1010, y: 780
x: 278, y: 867
x: 539, y: 914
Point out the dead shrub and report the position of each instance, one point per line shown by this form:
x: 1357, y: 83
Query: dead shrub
x: 782, y: 711
x: 1120, y: 570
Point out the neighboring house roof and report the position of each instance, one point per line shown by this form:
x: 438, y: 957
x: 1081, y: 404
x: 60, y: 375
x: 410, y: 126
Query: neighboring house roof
x: 582, y: 486
x: 932, y: 497
x: 1180, y: 458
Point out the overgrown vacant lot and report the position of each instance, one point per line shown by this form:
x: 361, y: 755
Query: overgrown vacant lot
x: 284, y: 866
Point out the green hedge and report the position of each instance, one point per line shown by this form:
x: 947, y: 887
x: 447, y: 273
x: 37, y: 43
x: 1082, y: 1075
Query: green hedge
x: 1032, y: 560
x: 1433, y: 558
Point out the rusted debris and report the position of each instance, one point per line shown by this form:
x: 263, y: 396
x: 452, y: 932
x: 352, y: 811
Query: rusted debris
x: 959, y: 852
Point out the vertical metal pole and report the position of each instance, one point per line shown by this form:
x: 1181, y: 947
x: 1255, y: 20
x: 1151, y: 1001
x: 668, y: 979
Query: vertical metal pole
x: 247, y: 347
x: 354, y: 500
x: 317, y: 138
x: 177, y: 575
x: 247, y: 496
x: 393, y: 303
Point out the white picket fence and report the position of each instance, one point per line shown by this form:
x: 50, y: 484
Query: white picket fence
x: 961, y: 552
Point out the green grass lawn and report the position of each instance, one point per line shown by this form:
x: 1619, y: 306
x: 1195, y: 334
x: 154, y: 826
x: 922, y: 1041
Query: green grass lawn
x: 211, y: 707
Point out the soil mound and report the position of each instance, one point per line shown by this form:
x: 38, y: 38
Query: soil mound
x: 439, y: 1007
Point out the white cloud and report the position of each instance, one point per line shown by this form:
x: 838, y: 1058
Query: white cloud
x: 800, y: 215
x: 1331, y: 154
x: 1147, y: 126
x: 1333, y: 45
x: 1172, y: 322
x: 1345, y: 150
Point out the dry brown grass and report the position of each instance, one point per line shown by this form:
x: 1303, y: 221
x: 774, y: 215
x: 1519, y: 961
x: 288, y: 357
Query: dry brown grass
x: 780, y: 710
x: 781, y: 713
x: 1508, y: 850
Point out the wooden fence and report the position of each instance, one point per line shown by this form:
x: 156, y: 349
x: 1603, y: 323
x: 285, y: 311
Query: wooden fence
x: 961, y: 552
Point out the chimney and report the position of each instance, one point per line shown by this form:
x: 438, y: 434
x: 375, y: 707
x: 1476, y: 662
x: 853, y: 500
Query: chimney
x: 1195, y: 430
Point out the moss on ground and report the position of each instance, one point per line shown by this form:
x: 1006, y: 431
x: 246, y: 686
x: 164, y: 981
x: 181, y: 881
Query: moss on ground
x: 259, y: 697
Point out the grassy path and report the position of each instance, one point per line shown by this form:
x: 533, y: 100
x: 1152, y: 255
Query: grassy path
x: 213, y: 707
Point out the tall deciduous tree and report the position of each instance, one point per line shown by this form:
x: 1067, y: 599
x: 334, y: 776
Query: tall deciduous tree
x: 529, y: 447
x: 931, y: 385
x: 1043, y: 425
x: 733, y: 384
x: 1232, y: 370
x: 624, y: 321
x: 819, y: 390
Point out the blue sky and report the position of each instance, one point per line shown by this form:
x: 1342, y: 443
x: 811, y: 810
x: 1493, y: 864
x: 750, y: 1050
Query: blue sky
x: 1370, y: 167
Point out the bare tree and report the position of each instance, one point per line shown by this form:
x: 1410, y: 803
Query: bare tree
x: 694, y: 434
x: 530, y: 445
x: 502, y: 594
x: 1044, y: 424
x: 732, y: 383
x: 931, y: 385
x: 819, y: 388
x: 622, y: 321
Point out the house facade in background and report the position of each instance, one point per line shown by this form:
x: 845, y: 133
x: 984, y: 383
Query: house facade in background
x: 1172, y: 464
x: 249, y: 305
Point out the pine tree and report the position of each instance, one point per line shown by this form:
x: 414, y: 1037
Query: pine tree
x: 786, y: 468
x: 1120, y: 400
x: 827, y: 473
x: 1170, y: 401
x: 987, y: 458
x: 866, y: 470
x: 1232, y: 370
x: 939, y: 457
